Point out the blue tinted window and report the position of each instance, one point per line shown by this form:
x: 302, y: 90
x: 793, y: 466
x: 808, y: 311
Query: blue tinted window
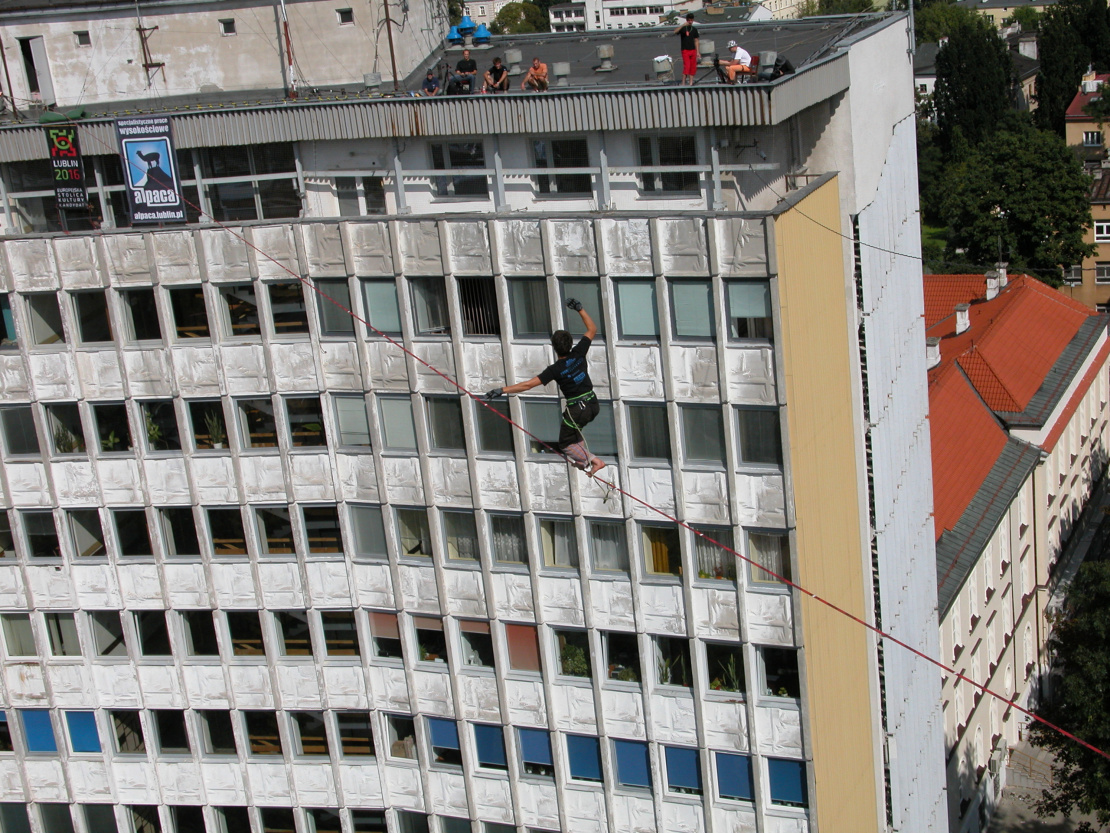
x: 39, y: 732
x: 490, y: 742
x: 535, y: 746
x: 734, y: 776
x: 584, y: 754
x: 788, y: 782
x: 683, y: 770
x: 83, y: 736
x: 633, y: 769
x: 444, y: 733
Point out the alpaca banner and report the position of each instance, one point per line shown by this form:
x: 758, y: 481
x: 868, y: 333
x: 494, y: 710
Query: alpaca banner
x: 150, y: 170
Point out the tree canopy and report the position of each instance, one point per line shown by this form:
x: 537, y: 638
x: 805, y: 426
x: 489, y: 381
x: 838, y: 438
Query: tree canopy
x: 813, y: 8
x: 520, y: 19
x: 974, y: 82
x: 1081, y: 782
x: 938, y: 20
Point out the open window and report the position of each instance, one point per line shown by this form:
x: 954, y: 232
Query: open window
x: 132, y: 532
x: 287, y: 308
x: 154, y: 635
x: 779, y: 672
x: 275, y: 530
x: 200, y: 633
x: 258, y: 423
x: 209, y: 424
x: 412, y: 527
x: 535, y: 752
x: 93, y: 324
x: 294, y: 633
x: 245, y: 629
x: 672, y: 661
x: 749, y: 310
x: 356, y: 734
x: 180, y: 529
x: 574, y: 653
x: 402, y: 736
x: 725, y: 665
x: 46, y: 318
x: 113, y: 428
x: 128, y: 731
x: 443, y: 737
x: 107, y: 633
x: 622, y: 657
x: 169, y: 727
x: 340, y: 633
x: 7, y: 538
x: 385, y: 635
x: 61, y: 631
x: 19, y: 639
x: 429, y: 302
x: 141, y: 312
x: 430, y: 640
x: 477, y: 643
x: 190, y: 315
x: 478, y: 303
x: 306, y: 422
x: 321, y: 525
x: 41, y: 534
x: 160, y: 421
x: 225, y: 524
x: 263, y: 738
x: 66, y: 432
x: 240, y: 308
x: 87, y: 533
x: 310, y: 737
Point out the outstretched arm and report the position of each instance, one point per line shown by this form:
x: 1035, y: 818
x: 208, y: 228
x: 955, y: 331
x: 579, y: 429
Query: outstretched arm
x: 520, y: 387
x: 591, y: 327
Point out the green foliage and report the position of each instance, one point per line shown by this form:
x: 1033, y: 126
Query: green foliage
x: 1081, y: 782
x: 520, y: 19
x: 1064, y: 58
x: 813, y: 8
x: 974, y: 82
x: 939, y: 20
x: 454, y: 11
x: 1099, y: 108
x: 1027, y: 17
x: 574, y: 661
x: 1022, y: 196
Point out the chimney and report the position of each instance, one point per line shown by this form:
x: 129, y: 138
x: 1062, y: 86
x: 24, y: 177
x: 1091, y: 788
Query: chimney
x: 513, y: 57
x: 560, y: 69
x: 1000, y: 268
x: 963, y: 318
x: 605, y: 55
x: 992, y: 285
x: 932, y: 352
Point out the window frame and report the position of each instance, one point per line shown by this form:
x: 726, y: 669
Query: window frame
x: 626, y: 285
x: 711, y: 311
x: 773, y: 419
x: 657, y: 185
x: 448, y: 186
x: 546, y: 186
x: 768, y: 319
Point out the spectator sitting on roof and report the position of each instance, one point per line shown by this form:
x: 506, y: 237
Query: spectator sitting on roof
x: 536, y: 77
x: 430, y: 85
x: 466, y: 71
x: 741, y: 63
x: 497, y: 78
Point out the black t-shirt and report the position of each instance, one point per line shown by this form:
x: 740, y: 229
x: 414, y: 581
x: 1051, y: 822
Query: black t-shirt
x: 570, y: 372
x: 688, y: 34
x: 466, y: 65
x: 497, y: 73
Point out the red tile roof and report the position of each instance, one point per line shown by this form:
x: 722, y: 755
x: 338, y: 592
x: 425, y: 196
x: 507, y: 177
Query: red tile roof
x: 943, y: 292
x: 1075, y: 109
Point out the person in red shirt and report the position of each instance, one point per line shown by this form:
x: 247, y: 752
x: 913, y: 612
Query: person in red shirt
x: 688, y: 33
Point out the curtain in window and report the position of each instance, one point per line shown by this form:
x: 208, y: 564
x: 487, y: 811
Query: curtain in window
x: 610, y: 552
x: 508, y: 538
x: 558, y: 543
x: 662, y: 550
x: 530, y: 311
x: 693, y: 309
x: 462, y: 535
x: 768, y: 551
x: 713, y: 561
x: 749, y: 305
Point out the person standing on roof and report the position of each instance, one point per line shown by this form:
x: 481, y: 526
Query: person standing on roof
x: 573, y: 377
x: 688, y: 33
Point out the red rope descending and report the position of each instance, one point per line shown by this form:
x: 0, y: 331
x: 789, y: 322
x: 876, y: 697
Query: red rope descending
x: 613, y: 487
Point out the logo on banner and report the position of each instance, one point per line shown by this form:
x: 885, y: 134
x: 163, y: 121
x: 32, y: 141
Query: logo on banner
x: 150, y: 170
x: 65, y: 159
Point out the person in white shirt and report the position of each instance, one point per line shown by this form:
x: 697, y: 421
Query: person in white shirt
x: 741, y: 63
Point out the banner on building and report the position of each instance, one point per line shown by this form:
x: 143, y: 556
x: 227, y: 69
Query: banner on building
x: 150, y: 170
x: 69, y: 175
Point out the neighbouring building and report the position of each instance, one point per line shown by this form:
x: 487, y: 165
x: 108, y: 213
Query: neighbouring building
x: 1089, y: 282
x: 1001, y: 11
x: 263, y: 569
x: 1018, y: 388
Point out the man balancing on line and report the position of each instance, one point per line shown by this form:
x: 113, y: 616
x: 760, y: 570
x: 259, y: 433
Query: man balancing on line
x: 573, y: 378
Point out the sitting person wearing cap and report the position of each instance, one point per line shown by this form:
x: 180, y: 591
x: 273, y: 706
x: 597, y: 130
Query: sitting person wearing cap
x: 741, y: 63
x: 430, y: 85
x: 497, y: 78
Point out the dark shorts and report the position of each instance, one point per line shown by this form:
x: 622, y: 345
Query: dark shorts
x: 689, y: 62
x: 580, y: 414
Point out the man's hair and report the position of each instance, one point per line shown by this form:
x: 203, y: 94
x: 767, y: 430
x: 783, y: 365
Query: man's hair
x: 497, y: 60
x: 562, y: 342
x: 690, y: 16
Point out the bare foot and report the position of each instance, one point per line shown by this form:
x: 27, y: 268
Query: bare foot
x: 597, y: 466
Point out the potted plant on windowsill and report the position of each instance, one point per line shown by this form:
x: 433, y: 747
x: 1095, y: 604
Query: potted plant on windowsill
x: 215, y: 426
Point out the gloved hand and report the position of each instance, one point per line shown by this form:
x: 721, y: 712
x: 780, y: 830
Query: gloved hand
x: 574, y: 304
x: 493, y: 394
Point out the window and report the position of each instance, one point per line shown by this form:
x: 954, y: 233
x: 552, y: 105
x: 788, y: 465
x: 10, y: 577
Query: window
x: 340, y: 633
x: 622, y: 657
x: 346, y: 18
x: 1102, y: 235
x: 141, y: 315
x: 535, y: 752
x: 132, y: 532
x: 93, y: 326
x: 351, y: 419
x: 209, y: 425
x: 609, y: 546
x: 5, y: 734
x: 562, y: 153
x: 662, y: 553
x: 507, y: 538
x: 542, y: 419
x: 169, y: 726
x: 734, y: 776
x: 445, y: 428
x: 637, y: 312
x: 462, y: 535
x: 154, y: 636
x: 277, y: 820
x: 113, y: 429
x: 64, y: 425
x: 429, y: 301
x: 368, y: 531
x: 589, y: 293
x: 181, y: 532
x: 749, y: 310
x: 8, y: 337
x: 128, y: 729
x: 200, y: 633
x: 100, y: 817
x: 287, y: 308
x: 324, y: 821
x: 704, y: 434
x: 412, y: 527
x: 668, y: 151
x: 398, y: 428
x: 259, y: 426
x: 306, y: 422
x: 444, y: 739
x: 559, y: 542
x: 240, y: 306
x: 683, y: 770
x: 725, y: 664
x: 430, y: 640
x: 333, y: 300
x: 1092, y: 138
x: 160, y: 421
x: 188, y: 819
x: 382, y: 310
x: 402, y: 737
x: 672, y: 660
x: 650, y: 433
x: 489, y: 744
x: 477, y: 644
x: 584, y: 758
x: 275, y: 531
x: 574, y: 653
x: 385, y: 636
x: 450, y: 155
x: 83, y: 38
x: 294, y: 634
x: 46, y: 318
x: 19, y: 639
x: 771, y: 551
x: 144, y: 818
x: 310, y: 737
x: 56, y: 818
x: 262, y: 733
x: 1102, y: 272
x: 42, y: 535
x: 227, y: 27
x: 226, y: 528
x: 107, y: 633
x: 1073, y: 274
x: 692, y: 308
x: 478, y: 304
x: 87, y: 533
x: 531, y: 315
x: 524, y: 647
x: 7, y: 540
x: 788, y: 782
x: 631, y: 758
x: 494, y: 432
x: 38, y: 731
x: 373, y: 821
x: 61, y: 630
x: 321, y: 526
x: 760, y: 440
x: 713, y: 561
x: 356, y: 734
x: 780, y: 672
x: 245, y: 629
x: 190, y: 316
x: 19, y: 430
